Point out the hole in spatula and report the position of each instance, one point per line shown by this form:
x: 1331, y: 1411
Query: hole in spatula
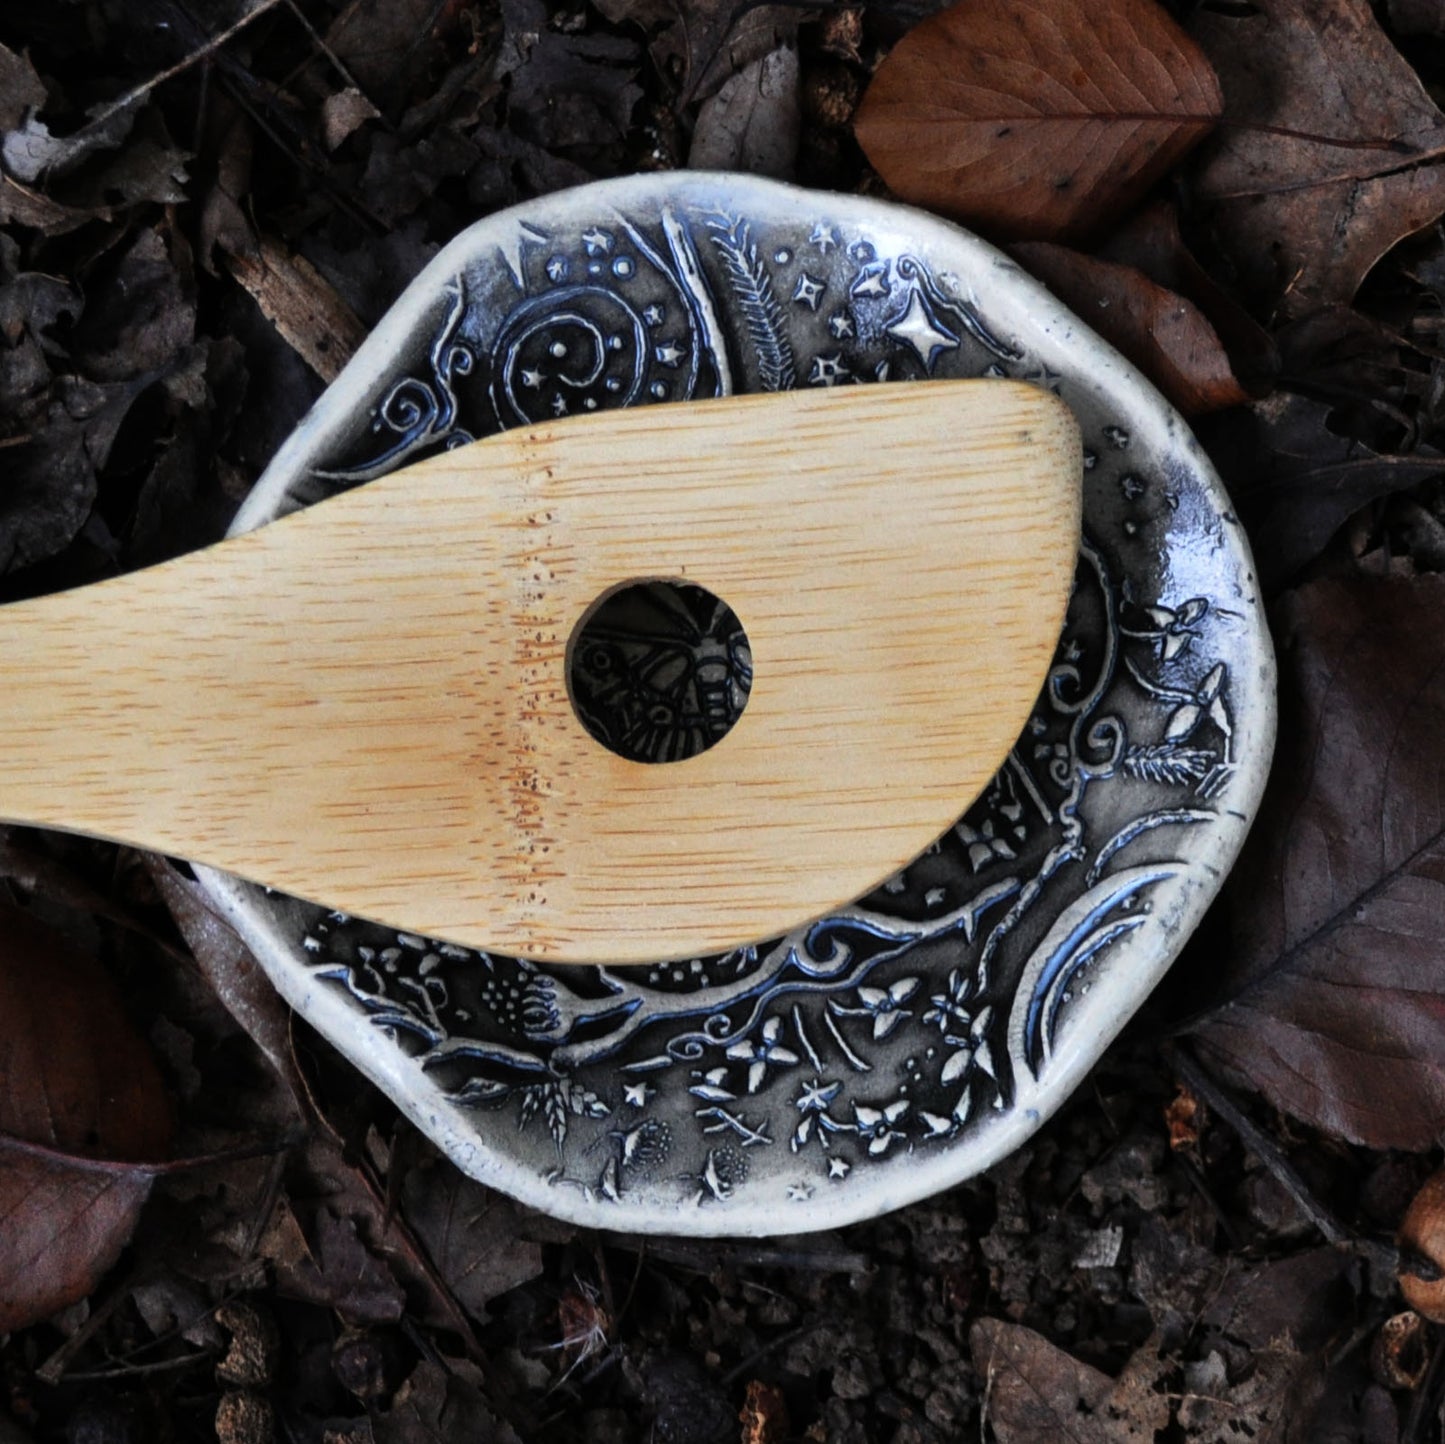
x: 659, y: 671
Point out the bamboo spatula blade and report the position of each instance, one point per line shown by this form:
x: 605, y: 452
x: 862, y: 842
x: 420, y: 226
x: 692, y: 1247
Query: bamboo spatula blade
x: 365, y: 704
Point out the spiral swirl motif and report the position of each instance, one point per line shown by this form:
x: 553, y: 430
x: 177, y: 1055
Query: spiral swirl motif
x: 574, y: 349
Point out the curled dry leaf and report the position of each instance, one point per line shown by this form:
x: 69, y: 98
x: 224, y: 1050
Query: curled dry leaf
x: 78, y: 1082
x: 1336, y: 1003
x: 1332, y: 152
x: 1162, y: 333
x: 1037, y: 119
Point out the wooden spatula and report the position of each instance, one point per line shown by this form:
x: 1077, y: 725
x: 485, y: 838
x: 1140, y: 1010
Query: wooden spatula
x: 365, y: 704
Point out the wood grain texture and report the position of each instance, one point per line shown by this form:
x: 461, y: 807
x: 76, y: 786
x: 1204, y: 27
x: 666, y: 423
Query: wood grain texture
x: 365, y: 703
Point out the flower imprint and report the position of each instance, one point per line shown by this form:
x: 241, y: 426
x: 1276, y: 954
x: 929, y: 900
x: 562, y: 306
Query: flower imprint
x: 876, y: 1125
x: 885, y: 1007
x: 764, y: 1053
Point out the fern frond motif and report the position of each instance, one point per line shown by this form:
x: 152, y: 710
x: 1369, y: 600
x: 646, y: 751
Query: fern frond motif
x: 1173, y: 766
x: 757, y: 302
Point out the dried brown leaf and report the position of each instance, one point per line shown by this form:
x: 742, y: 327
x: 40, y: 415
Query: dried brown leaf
x: 231, y: 969
x: 21, y: 206
x: 1336, y: 1009
x: 1297, y: 482
x: 1037, y: 120
x: 1330, y: 156
x: 344, y: 113
x: 751, y: 124
x: 1034, y: 1390
x: 339, y: 1272
x: 471, y: 1234
x: 1162, y: 333
x: 699, y: 45
x: 439, y: 1406
x: 20, y: 88
x: 78, y: 1083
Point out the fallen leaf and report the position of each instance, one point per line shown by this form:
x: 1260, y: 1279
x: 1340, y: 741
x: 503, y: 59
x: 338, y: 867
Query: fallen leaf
x: 1034, y: 1390
x: 20, y: 89
x: 335, y: 1269
x: 231, y: 969
x: 1038, y: 120
x: 21, y: 206
x: 1335, y: 1004
x: 1164, y: 335
x: 343, y: 114
x: 1326, y: 161
x: 81, y: 1089
x: 1296, y: 481
x: 699, y: 45
x: 50, y: 477
x: 383, y: 43
x: 31, y: 153
x: 566, y: 91
x: 438, y: 1405
x: 140, y: 316
x: 1151, y: 241
x: 471, y: 1234
x: 751, y: 124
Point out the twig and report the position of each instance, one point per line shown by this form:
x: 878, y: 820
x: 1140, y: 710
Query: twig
x: 771, y: 1347
x: 1268, y: 1152
x: 1259, y: 1143
x: 131, y: 1371
x: 1200, y: 1185
x: 124, y: 1167
x: 207, y: 49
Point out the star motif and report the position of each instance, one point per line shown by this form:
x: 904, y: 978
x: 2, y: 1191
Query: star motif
x: 559, y: 405
x: 824, y: 237
x: 635, y: 1095
x: 809, y: 292
x: 840, y: 323
x: 557, y: 269
x: 597, y: 241
x: 1046, y: 378
x: 828, y: 370
x: 872, y: 280
x: 531, y: 379
x: 800, y: 1192
x: 653, y: 314
x: 918, y: 327
x: 669, y: 353
x: 839, y: 1168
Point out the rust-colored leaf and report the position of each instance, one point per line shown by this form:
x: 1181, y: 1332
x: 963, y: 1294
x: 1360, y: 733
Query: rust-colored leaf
x: 1338, y: 1006
x: 1162, y: 333
x: 1323, y: 167
x: 1037, y: 119
x: 78, y: 1084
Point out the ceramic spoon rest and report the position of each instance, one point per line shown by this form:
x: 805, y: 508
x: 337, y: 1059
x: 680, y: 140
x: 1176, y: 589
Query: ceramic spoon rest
x: 911, y: 1037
